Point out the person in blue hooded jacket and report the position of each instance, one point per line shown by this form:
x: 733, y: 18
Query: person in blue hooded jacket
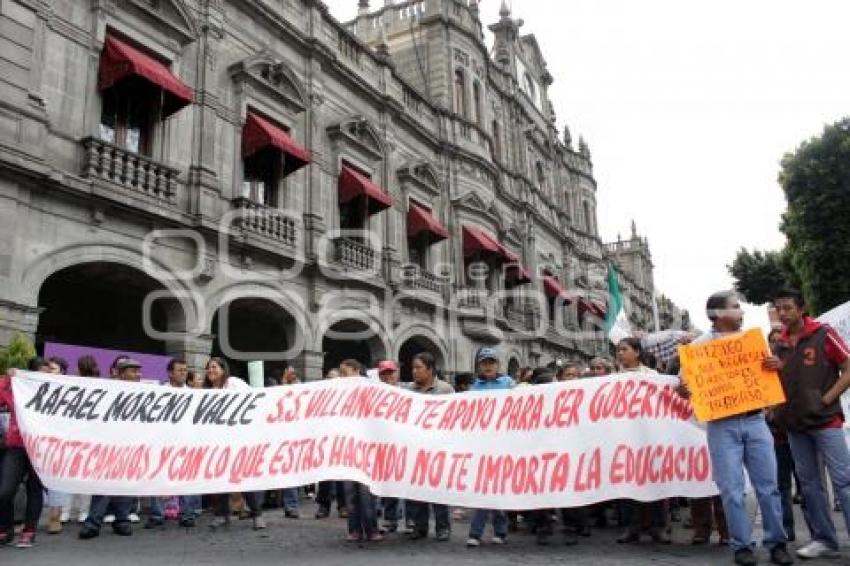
x: 488, y: 377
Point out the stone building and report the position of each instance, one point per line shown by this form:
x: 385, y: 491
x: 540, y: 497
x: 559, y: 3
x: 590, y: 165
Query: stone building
x: 254, y: 179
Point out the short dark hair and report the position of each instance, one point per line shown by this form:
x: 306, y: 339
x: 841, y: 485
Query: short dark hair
x: 633, y: 343
x: 87, y: 366
x: 61, y: 362
x: 427, y: 359
x: 718, y: 301
x: 173, y: 362
x: 541, y: 375
x: 790, y: 293
x: 36, y: 362
x: 353, y: 364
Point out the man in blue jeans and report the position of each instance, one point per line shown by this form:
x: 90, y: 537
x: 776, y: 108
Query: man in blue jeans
x: 743, y: 442
x: 814, y: 366
x: 489, y: 378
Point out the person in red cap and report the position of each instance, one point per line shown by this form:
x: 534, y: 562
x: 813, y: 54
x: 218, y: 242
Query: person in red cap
x: 392, y: 506
x: 388, y: 372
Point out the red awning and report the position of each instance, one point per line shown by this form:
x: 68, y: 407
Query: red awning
x: 476, y: 240
x: 353, y: 184
x: 593, y: 306
x: 259, y: 133
x: 420, y: 221
x: 553, y: 289
x: 119, y: 61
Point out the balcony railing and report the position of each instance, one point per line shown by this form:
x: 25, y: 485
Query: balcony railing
x: 471, y: 297
x: 355, y: 255
x: 414, y: 277
x: 265, y: 221
x: 128, y: 169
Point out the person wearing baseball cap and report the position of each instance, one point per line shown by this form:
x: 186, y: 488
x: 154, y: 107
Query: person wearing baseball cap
x: 488, y: 377
x: 388, y: 372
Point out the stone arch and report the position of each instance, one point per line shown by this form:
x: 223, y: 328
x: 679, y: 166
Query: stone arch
x: 419, y: 337
x: 352, y: 332
x: 38, y: 271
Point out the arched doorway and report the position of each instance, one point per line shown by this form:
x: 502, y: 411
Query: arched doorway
x: 413, y: 346
x: 100, y: 305
x: 353, y: 339
x: 251, y: 329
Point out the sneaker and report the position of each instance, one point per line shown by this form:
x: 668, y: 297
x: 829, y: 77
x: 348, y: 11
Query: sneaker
x: 323, y: 513
x: 473, y: 542
x: 779, y: 555
x: 122, y: 529
x: 343, y: 513
x: 6, y: 537
x: 407, y: 528
x: 187, y: 522
x: 81, y: 518
x: 816, y: 549
x: 219, y: 522
x: 745, y: 557
x: 443, y: 535
x: 375, y: 537
x: 26, y: 539
x: 499, y: 539
x: 64, y: 517
x: 134, y: 517
x: 291, y: 514
x: 109, y: 519
x: 389, y: 526
x: 259, y: 523
x: 153, y: 523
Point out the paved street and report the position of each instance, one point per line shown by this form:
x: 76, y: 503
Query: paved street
x: 311, y: 542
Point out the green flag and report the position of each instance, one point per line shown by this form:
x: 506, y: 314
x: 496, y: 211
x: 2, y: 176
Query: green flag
x: 616, y: 322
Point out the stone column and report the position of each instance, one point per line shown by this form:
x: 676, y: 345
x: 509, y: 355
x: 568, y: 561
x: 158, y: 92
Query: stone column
x: 308, y: 365
x: 14, y: 318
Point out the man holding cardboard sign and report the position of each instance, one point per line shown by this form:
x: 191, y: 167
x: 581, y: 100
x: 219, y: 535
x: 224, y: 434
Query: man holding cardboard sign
x: 814, y: 365
x: 738, y: 436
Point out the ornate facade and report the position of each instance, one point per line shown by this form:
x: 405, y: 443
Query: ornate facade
x: 255, y: 179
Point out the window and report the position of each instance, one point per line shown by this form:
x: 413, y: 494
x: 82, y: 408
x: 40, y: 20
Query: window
x: 260, y: 176
x: 541, y: 177
x: 460, y: 93
x: 588, y: 222
x: 530, y: 88
x: 497, y: 140
x: 127, y: 117
x: 567, y: 204
x: 476, y: 102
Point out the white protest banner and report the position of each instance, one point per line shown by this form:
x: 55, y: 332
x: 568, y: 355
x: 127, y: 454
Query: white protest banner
x: 839, y: 319
x: 556, y: 445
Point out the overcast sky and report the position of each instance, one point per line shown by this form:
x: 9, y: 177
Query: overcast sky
x: 688, y: 106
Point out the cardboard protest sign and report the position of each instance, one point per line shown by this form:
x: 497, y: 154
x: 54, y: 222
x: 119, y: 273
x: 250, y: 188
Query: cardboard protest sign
x: 556, y: 445
x: 725, y: 376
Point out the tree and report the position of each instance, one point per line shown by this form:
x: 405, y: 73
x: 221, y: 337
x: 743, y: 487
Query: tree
x: 758, y: 275
x: 16, y: 354
x: 816, y: 182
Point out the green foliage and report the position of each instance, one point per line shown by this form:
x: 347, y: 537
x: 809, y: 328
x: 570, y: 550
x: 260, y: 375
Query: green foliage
x: 758, y: 275
x: 816, y: 182
x: 16, y: 354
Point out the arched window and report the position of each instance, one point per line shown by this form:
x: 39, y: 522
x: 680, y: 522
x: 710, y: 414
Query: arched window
x: 460, y: 92
x: 588, y: 222
x: 476, y: 102
x: 541, y: 177
x: 497, y: 140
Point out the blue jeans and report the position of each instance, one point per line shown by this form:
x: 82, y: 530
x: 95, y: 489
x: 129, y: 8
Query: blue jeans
x: 742, y: 442
x: 479, y: 521
x: 290, y: 498
x: 829, y: 446
x: 121, y: 506
x: 189, y: 504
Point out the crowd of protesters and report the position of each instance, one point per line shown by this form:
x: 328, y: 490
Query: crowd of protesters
x: 802, y: 439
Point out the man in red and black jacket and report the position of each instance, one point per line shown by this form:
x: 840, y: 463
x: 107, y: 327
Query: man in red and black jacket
x: 814, y: 367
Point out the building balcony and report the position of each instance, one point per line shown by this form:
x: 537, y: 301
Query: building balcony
x: 137, y: 174
x: 469, y: 297
x: 268, y: 223
x: 414, y: 277
x: 353, y: 254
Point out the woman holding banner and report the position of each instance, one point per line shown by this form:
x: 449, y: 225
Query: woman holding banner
x: 217, y: 376
x: 16, y: 467
x: 629, y: 353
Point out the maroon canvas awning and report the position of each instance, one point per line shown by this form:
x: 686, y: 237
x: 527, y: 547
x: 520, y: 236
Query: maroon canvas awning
x: 477, y: 240
x: 553, y: 289
x: 259, y: 133
x: 420, y: 221
x: 353, y: 185
x: 592, y: 306
x: 119, y: 61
